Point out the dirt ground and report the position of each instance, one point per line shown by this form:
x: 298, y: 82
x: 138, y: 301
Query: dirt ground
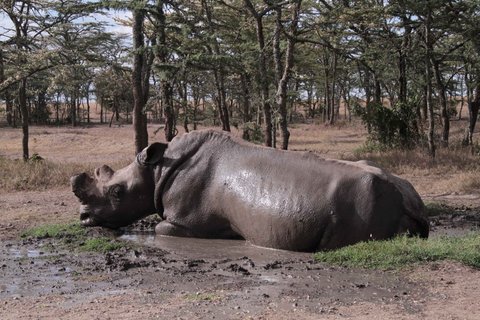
x: 172, y: 278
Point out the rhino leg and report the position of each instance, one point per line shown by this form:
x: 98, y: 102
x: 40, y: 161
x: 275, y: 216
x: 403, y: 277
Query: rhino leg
x: 166, y: 228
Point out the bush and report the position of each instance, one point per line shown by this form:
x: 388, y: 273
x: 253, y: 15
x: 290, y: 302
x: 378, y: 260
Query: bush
x: 253, y: 132
x: 394, y: 127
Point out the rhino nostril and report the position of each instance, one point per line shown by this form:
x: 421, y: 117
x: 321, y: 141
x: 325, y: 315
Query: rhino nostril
x: 84, y: 215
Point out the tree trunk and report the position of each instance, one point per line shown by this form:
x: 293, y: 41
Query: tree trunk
x: 222, y: 99
x: 166, y: 88
x: 182, y: 88
x: 22, y: 99
x: 281, y: 95
x: 88, y: 102
x: 139, y: 123
x: 167, y: 98
x: 196, y: 103
x: 245, y: 82
x: 378, y: 90
x: 57, y: 109
x: 443, y: 102
x: 473, y: 108
x: 462, y: 102
x: 101, y: 110
x: 332, y: 96
x: 428, y: 76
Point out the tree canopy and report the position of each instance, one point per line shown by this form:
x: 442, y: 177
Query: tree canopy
x: 400, y: 65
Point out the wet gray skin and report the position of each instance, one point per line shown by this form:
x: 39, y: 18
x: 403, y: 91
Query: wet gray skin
x: 207, y: 184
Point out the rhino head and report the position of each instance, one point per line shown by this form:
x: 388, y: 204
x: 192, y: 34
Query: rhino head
x: 114, y: 199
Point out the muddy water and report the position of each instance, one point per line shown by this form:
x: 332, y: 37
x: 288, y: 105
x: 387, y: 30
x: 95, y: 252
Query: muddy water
x: 195, y: 248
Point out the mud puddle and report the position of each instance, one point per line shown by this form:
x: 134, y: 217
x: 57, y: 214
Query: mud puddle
x: 195, y: 248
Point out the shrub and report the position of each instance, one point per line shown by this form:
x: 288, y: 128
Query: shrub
x: 390, y: 127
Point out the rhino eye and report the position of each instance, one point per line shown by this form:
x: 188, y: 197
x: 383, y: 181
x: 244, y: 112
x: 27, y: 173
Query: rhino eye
x: 115, y: 191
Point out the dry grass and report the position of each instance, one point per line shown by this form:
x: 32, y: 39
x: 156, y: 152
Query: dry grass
x: 466, y: 182
x: 335, y: 141
x: 18, y: 175
x: 417, y: 160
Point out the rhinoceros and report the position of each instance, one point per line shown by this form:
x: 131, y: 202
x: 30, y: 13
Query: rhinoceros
x: 209, y: 184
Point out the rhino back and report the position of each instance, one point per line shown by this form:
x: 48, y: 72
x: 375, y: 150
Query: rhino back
x: 301, y: 201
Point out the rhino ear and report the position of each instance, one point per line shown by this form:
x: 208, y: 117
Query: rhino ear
x: 152, y: 155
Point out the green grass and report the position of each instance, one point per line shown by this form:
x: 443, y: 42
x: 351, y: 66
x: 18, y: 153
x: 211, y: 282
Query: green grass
x: 102, y: 244
x: 74, y: 236
x: 403, y: 251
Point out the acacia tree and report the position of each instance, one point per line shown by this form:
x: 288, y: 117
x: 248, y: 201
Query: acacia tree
x: 33, y: 45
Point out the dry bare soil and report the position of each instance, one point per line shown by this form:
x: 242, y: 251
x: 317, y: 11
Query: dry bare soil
x: 170, y: 278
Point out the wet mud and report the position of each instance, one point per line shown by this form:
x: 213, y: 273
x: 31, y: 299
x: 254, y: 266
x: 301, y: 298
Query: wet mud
x: 169, y: 277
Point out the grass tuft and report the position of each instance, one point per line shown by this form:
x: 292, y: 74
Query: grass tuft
x: 102, y: 244
x: 74, y: 236
x: 403, y: 251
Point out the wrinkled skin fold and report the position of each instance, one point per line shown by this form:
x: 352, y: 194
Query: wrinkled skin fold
x: 207, y: 184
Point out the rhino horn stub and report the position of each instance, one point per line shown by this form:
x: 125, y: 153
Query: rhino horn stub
x: 152, y: 155
x: 104, y: 173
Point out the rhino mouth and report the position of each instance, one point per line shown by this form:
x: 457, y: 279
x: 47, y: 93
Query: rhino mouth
x: 86, y: 217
